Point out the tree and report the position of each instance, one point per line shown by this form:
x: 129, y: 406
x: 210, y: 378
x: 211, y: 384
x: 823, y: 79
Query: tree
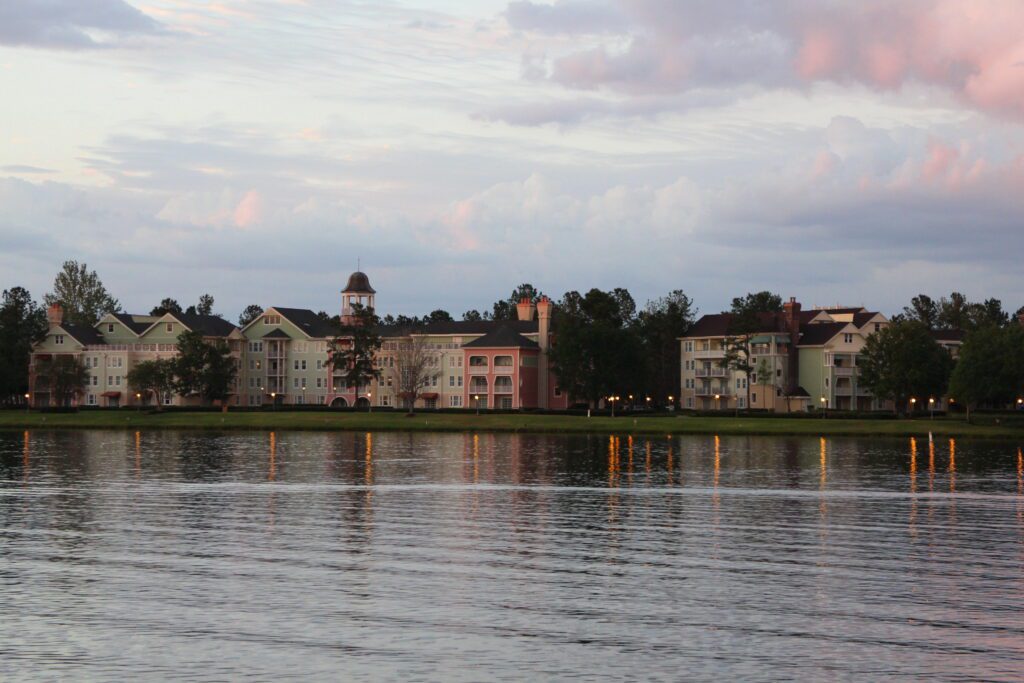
x: 902, y: 361
x: 989, y: 369
x: 22, y: 325
x: 660, y: 325
x: 922, y: 309
x: 472, y: 316
x: 166, y: 306
x: 203, y: 368
x: 250, y: 313
x: 205, y: 305
x: 155, y: 377
x: 766, y: 380
x: 747, y: 318
x: 81, y: 294
x: 438, y: 316
x: 598, y: 352
x: 65, y: 376
x: 356, y: 346
x: 506, y: 308
x: 416, y: 366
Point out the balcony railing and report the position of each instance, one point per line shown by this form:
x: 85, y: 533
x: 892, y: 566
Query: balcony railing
x: 844, y: 371
x: 711, y: 372
x: 712, y: 391
x: 844, y: 391
x: 711, y: 353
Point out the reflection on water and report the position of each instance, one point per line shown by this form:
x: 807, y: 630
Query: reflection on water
x: 128, y: 555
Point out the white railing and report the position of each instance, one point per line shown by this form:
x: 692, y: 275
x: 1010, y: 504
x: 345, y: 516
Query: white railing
x: 712, y: 353
x: 844, y: 371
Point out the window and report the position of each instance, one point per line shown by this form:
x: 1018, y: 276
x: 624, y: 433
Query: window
x: 169, y: 327
x: 848, y: 338
x: 778, y: 372
x: 303, y: 382
x: 503, y: 361
x: 298, y: 400
x: 94, y: 380
x: 433, y: 381
x: 503, y: 384
x: 558, y: 391
x: 117, y: 380
x: 451, y: 380
x: 319, y: 365
x: 110, y: 327
x: 689, y: 403
x: 455, y: 401
x: 302, y: 365
x: 478, y: 361
x: 168, y: 398
x: 753, y: 378
x: 92, y: 399
x: 460, y: 380
x: 826, y: 381
x: 58, y: 339
x: 319, y: 382
x: 321, y: 400
x: 256, y: 347
x: 878, y: 326
x: 271, y: 320
x: 753, y: 398
x: 295, y: 383
x: 385, y: 400
x: 688, y: 346
x: 110, y: 380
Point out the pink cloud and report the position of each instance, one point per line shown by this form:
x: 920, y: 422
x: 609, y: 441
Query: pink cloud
x: 249, y: 210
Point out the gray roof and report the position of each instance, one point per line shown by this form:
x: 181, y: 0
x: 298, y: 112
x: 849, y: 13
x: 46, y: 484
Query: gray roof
x: 276, y: 334
x: 128, y: 320
x: 83, y: 334
x: 309, y: 322
x: 460, y: 327
x: 504, y: 337
x: 209, y: 325
x: 819, y: 333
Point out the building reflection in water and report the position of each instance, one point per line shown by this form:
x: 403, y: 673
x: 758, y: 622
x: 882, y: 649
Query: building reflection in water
x: 138, y: 454
x: 26, y: 449
x: 913, y: 487
x: 272, y: 471
x: 952, y: 465
x: 668, y: 462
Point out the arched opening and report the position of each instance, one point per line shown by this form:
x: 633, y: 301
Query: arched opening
x: 362, y: 402
x: 339, y: 403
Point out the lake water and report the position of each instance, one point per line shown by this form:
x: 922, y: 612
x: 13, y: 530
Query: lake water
x: 340, y: 556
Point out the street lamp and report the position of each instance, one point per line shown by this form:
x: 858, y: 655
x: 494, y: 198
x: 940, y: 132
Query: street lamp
x: 824, y: 407
x: 369, y: 401
x: 273, y: 399
x: 27, y: 404
x: 913, y: 404
x: 613, y: 399
x: 931, y: 408
x: 138, y: 400
x: 476, y: 400
x: 717, y: 397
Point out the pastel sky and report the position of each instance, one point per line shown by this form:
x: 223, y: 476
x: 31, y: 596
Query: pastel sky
x: 853, y: 152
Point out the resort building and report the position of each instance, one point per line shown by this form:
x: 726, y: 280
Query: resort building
x: 283, y: 357
x: 799, y: 359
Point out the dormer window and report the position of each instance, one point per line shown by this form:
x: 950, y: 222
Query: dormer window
x: 271, y: 320
x: 110, y: 327
x: 58, y: 339
x: 170, y: 327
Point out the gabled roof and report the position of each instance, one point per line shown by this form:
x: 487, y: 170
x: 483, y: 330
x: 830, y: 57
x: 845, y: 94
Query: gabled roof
x: 504, y: 337
x: 83, y: 334
x: 462, y: 327
x: 136, y: 323
x: 308, y: 321
x: 862, y: 319
x: 209, y: 325
x: 817, y: 334
x: 277, y: 333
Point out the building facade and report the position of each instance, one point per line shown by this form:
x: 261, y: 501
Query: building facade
x: 284, y: 357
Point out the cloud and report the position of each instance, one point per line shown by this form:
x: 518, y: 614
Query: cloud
x: 972, y: 50
x: 23, y: 169
x: 72, y: 24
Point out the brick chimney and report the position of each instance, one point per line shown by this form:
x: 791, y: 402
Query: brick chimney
x: 525, y: 309
x: 544, y: 339
x: 55, y: 314
x: 791, y: 315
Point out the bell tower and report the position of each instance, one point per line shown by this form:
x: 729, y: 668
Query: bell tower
x: 357, y: 291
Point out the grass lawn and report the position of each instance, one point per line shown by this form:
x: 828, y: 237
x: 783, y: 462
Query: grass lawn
x: 458, y: 422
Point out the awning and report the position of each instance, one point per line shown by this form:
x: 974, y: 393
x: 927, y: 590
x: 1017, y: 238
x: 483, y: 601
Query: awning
x: 111, y: 394
x: 431, y: 396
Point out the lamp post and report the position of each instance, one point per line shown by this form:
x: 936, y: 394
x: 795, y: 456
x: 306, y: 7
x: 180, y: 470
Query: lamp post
x: 672, y: 402
x: 27, y: 404
x: 648, y: 400
x: 631, y: 404
x: 303, y: 394
x: 613, y: 399
x: 913, y: 404
x: 931, y: 408
x: 824, y: 407
x: 476, y: 400
x: 1020, y: 403
x: 138, y: 401
x: 717, y: 399
x: 273, y: 400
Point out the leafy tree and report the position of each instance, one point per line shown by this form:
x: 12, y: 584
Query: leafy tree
x: 356, y: 347
x: 81, y: 294
x: 747, y: 319
x: 922, y: 309
x: 506, y: 308
x: 415, y: 367
x: 205, y: 305
x: 203, y: 368
x: 472, y: 316
x: 166, y: 306
x: 438, y: 316
x: 766, y: 380
x: 988, y: 312
x: 598, y: 351
x: 65, y: 376
x: 250, y: 313
x: 156, y: 377
x: 990, y: 368
x: 22, y: 325
x: 903, y: 360
x: 660, y: 325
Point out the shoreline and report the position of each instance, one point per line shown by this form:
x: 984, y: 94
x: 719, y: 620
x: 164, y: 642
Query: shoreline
x: 504, y: 423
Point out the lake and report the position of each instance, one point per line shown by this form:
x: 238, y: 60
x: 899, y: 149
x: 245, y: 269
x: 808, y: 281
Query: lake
x: 343, y: 556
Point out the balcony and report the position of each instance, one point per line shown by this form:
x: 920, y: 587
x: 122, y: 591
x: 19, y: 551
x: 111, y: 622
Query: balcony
x: 843, y: 391
x: 711, y: 372
x: 844, y: 371
x: 724, y: 392
x: 711, y: 353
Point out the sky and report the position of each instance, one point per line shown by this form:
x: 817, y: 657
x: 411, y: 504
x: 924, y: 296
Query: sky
x: 843, y: 152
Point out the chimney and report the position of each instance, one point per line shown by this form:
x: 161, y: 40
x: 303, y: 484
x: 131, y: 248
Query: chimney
x: 525, y: 309
x: 543, y: 338
x: 55, y: 314
x: 791, y: 314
